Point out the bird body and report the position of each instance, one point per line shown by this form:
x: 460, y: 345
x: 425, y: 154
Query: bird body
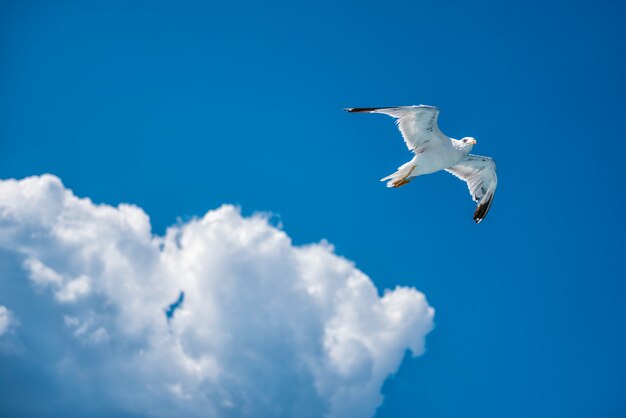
x: 435, y: 151
x: 428, y: 162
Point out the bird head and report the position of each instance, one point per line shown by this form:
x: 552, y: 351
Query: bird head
x: 467, y: 143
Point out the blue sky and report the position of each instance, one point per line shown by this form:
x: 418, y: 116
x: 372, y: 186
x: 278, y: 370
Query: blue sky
x: 181, y: 107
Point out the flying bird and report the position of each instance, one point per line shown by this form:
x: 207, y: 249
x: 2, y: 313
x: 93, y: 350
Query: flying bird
x: 434, y: 151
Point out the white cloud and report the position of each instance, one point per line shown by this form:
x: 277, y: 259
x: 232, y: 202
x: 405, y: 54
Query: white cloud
x: 5, y: 319
x: 266, y: 328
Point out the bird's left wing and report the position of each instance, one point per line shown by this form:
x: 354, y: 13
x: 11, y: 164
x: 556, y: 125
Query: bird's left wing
x: 480, y: 175
x: 417, y: 124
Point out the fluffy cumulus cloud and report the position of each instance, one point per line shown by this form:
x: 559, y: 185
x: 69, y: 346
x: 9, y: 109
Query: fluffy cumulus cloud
x: 222, y: 316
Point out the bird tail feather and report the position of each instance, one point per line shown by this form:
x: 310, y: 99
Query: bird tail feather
x: 401, y: 177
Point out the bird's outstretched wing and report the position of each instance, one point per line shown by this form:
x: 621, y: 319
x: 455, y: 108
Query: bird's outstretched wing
x: 480, y: 175
x: 418, y: 125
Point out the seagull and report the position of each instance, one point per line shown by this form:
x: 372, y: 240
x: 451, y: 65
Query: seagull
x: 434, y: 151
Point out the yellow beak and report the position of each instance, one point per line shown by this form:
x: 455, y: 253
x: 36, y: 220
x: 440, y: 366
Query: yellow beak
x: 472, y: 141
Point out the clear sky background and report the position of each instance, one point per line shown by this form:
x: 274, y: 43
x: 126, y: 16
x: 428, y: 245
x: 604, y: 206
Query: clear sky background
x: 179, y: 107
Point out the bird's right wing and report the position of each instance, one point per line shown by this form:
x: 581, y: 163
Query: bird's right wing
x: 480, y: 175
x: 418, y: 125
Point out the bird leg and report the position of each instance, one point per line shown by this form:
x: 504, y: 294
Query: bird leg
x: 403, y: 180
x: 400, y: 182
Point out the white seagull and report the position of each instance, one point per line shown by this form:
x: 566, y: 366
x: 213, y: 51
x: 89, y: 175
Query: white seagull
x: 434, y: 151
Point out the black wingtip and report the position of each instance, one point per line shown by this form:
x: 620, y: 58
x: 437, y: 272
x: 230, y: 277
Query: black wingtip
x: 361, y: 109
x: 373, y: 109
x: 482, y: 210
